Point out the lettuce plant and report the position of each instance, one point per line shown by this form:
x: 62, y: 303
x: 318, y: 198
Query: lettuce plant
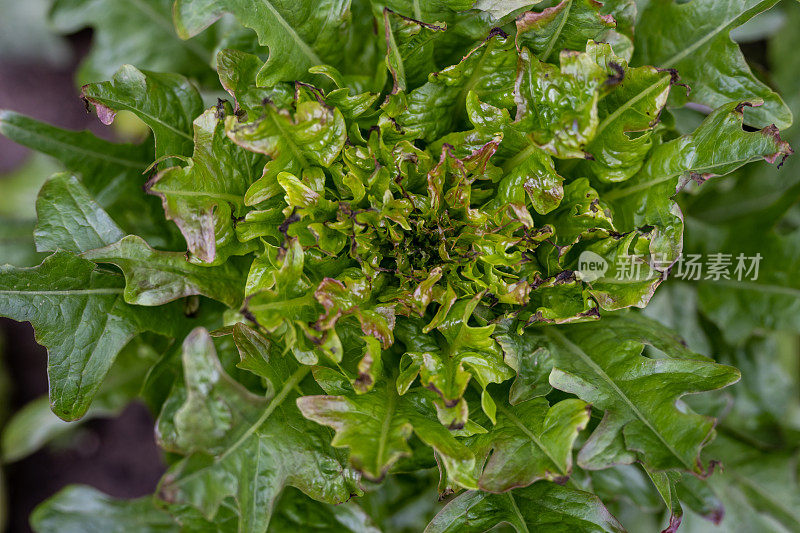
x: 350, y: 255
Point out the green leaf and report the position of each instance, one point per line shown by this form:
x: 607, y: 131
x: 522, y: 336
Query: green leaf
x: 543, y: 506
x: 350, y: 296
x: 698, y: 495
x: 748, y: 301
x: 370, y: 367
x: 469, y: 220
x: 757, y: 489
x: 531, y: 441
x: 79, y: 508
x: 530, y: 357
x: 242, y: 445
x: 167, y: 103
x: 69, y: 218
x: 30, y: 428
x: 718, y: 147
x: 314, y: 136
x: 565, y: 26
x: 628, y: 117
x: 299, y: 35
x: 34, y: 425
x: 99, y: 162
x: 666, y: 485
x: 112, y: 173
x: 79, y: 315
x: 529, y: 352
x: 676, y: 489
x: 376, y: 426
x: 531, y: 174
x: 603, y: 366
x: 693, y: 37
x: 277, y: 288
x: 669, y: 308
x: 557, y: 107
x: 528, y: 170
x: 409, y: 49
x: 437, y: 107
x: 204, y: 196
x: 153, y: 277
x: 768, y: 483
x: 467, y: 352
x: 297, y: 512
x: 237, y: 73
x: 500, y: 8
x: 625, y: 13
x: 581, y: 216
x: 16, y: 243
x: 137, y: 32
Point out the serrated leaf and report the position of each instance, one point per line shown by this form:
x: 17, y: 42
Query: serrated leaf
x: 79, y: 314
x: 536, y: 508
x: 204, y: 196
x: 608, y: 370
x: 244, y: 446
x: 442, y: 228
x: 468, y: 352
x: 376, y: 426
x: 557, y: 107
x: 531, y: 176
x: 438, y: 106
x: 167, y: 103
x: 313, y: 136
x: 565, y: 26
x: 528, y: 171
x: 277, y: 289
x: 716, y: 148
x: 350, y: 296
x: 153, y: 277
x: 628, y: 116
x: 693, y: 37
x: 531, y: 441
x: 299, y: 35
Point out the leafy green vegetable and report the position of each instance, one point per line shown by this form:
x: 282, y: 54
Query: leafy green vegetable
x: 531, y: 441
x: 80, y: 316
x: 298, y: 35
x: 240, y: 444
x: 79, y: 507
x: 132, y: 31
x: 167, y: 103
x: 375, y: 426
x: 697, y: 39
x: 600, y: 369
x: 418, y: 235
x: 543, y: 505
